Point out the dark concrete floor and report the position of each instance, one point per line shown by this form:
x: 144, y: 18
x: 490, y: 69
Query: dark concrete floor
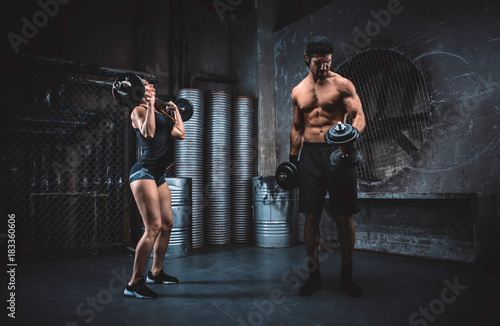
x: 246, y: 285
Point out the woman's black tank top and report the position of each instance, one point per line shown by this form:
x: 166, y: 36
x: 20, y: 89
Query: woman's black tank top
x: 155, y: 150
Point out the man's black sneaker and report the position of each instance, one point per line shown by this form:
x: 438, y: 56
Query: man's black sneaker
x: 347, y: 283
x: 312, y: 285
x: 161, y: 278
x: 139, y: 290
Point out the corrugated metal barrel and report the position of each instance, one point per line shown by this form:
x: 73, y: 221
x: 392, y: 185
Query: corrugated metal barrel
x: 180, y: 244
x: 274, y: 214
x: 217, y: 166
x: 189, y: 159
x: 243, y: 157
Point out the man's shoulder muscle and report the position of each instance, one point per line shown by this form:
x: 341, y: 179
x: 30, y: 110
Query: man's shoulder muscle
x: 300, y: 88
x: 343, y: 84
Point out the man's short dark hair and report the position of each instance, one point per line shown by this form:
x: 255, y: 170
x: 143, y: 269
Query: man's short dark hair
x: 320, y: 45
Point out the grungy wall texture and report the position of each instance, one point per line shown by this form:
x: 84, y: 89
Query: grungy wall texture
x: 128, y: 34
x: 455, y: 46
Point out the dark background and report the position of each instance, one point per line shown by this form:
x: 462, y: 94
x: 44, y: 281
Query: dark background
x: 454, y: 44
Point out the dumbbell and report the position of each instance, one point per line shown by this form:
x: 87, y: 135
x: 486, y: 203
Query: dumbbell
x: 343, y: 135
x: 129, y: 90
x: 287, y: 175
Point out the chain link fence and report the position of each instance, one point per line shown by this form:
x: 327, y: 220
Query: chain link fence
x: 64, y: 166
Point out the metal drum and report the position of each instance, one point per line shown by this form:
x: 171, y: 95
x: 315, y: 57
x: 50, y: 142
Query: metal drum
x: 189, y: 158
x: 243, y: 157
x: 275, y: 213
x: 218, y: 168
x: 180, y: 239
x: 180, y: 244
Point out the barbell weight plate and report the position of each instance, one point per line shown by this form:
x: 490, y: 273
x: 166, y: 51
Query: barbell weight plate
x: 287, y: 176
x: 345, y: 161
x: 185, y: 107
x: 341, y: 134
x: 128, y: 89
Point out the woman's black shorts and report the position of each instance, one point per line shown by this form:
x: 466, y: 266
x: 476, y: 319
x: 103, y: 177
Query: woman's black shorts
x: 138, y: 172
x: 317, y: 175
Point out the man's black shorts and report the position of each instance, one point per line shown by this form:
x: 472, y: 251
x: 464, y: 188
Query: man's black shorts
x: 317, y: 175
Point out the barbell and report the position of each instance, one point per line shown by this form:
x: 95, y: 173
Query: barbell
x: 129, y: 90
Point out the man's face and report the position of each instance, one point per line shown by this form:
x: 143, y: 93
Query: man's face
x: 320, y: 65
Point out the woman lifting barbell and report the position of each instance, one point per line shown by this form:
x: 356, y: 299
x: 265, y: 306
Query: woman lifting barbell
x: 151, y: 191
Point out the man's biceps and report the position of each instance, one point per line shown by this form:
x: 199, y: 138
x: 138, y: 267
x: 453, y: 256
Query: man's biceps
x: 347, y: 100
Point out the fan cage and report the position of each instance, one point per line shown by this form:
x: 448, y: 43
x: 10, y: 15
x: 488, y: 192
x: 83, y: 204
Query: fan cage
x: 397, y: 108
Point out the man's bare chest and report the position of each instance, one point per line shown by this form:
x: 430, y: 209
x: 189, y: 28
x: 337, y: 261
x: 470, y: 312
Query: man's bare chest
x: 327, y: 99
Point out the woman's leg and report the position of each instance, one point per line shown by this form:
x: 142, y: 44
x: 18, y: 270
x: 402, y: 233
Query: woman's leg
x: 161, y: 244
x: 146, y: 196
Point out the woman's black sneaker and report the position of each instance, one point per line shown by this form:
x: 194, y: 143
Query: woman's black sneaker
x: 161, y: 278
x: 139, y: 290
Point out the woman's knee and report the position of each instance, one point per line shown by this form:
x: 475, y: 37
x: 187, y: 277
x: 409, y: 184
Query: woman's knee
x: 153, y: 230
x: 167, y: 225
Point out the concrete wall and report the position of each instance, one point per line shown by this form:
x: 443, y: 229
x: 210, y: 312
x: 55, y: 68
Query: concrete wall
x: 209, y: 43
x: 108, y: 33
x: 455, y: 46
x: 95, y: 32
x: 253, y: 63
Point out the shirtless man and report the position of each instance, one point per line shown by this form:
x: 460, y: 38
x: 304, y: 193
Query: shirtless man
x: 319, y: 101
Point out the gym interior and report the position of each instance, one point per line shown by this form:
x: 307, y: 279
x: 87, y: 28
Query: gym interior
x: 427, y: 246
